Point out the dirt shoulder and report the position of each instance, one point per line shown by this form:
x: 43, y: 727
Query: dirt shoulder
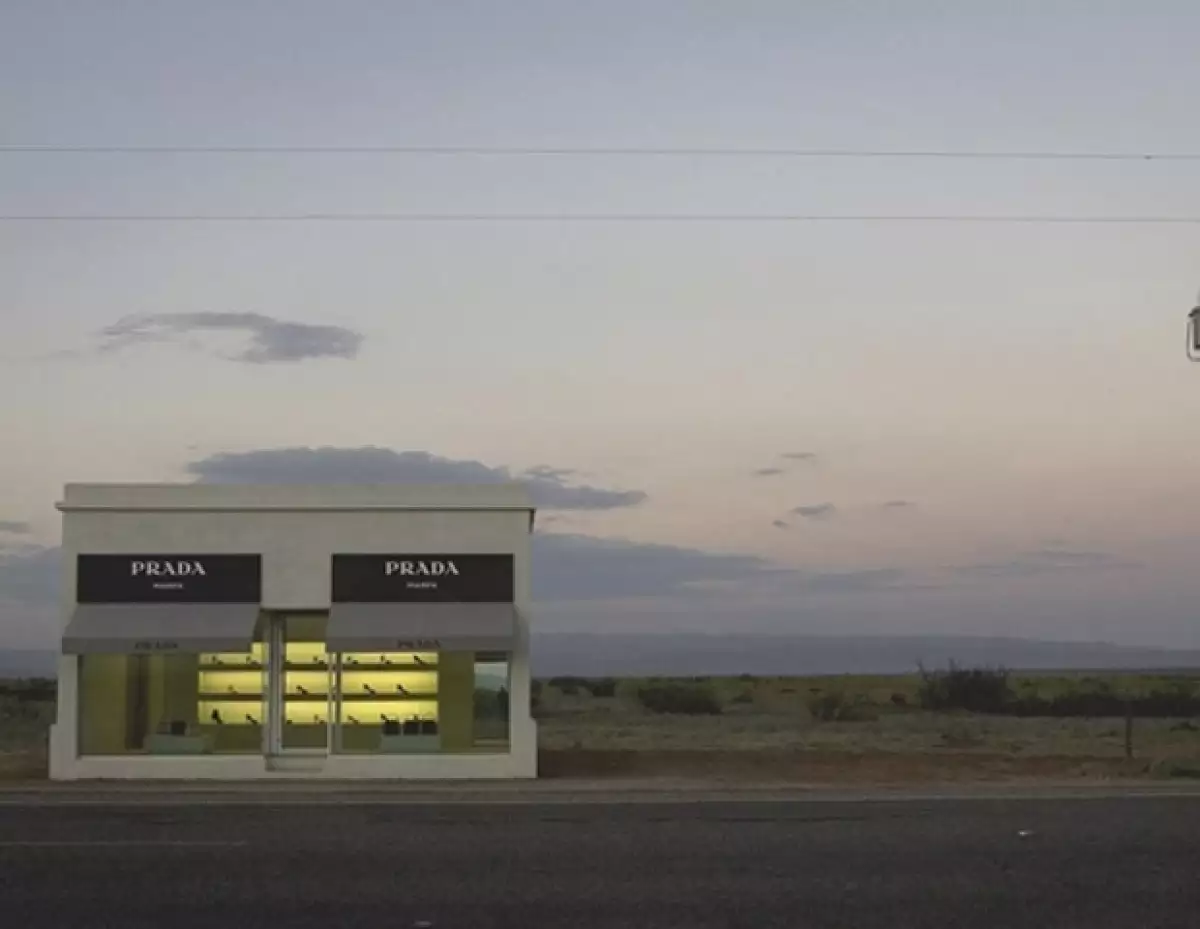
x: 834, y: 768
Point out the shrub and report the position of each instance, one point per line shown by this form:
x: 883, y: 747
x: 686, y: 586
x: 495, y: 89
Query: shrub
x: 961, y: 736
x: 1169, y: 767
x: 858, y: 712
x: 1071, y: 703
x: 988, y: 690
x: 1177, y: 702
x: 684, y: 699
x: 977, y: 690
x: 833, y: 707
x: 31, y: 690
x: 604, y: 687
x: 827, y: 706
x: 1172, y: 704
x: 569, y: 686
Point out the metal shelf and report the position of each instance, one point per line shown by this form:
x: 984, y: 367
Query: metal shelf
x: 408, y: 666
x: 301, y: 698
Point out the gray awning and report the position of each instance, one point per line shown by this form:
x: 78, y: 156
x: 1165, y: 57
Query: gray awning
x: 398, y: 627
x: 154, y: 628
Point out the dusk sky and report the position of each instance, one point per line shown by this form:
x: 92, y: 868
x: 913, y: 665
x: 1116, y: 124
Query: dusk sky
x: 825, y: 427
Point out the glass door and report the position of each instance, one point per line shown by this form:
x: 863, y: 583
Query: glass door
x: 301, y: 679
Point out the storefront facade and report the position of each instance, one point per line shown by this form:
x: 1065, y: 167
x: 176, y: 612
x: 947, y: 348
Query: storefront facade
x: 243, y: 632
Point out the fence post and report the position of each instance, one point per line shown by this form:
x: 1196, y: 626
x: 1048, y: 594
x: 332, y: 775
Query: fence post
x: 1129, y: 729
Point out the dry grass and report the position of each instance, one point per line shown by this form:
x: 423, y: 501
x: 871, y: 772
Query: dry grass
x: 23, y: 765
x: 24, y: 726
x: 839, y: 769
x: 767, y: 733
x: 621, y: 727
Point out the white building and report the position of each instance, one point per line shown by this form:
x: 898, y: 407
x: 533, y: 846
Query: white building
x: 294, y: 631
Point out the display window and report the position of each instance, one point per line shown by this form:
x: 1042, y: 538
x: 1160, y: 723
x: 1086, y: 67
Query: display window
x: 353, y: 703
x: 388, y: 702
x: 176, y: 704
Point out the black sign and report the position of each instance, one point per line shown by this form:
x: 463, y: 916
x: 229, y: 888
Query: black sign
x: 155, y: 645
x: 168, y: 579
x: 418, y: 645
x: 422, y: 578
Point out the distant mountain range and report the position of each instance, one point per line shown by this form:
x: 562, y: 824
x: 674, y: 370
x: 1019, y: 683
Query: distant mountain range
x: 27, y: 664
x: 617, y: 655
x: 694, y: 654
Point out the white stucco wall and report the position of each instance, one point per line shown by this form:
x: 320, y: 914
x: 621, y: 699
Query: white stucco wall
x: 297, y: 530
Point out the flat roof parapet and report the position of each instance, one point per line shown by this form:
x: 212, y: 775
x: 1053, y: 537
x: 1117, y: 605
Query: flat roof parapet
x: 294, y: 497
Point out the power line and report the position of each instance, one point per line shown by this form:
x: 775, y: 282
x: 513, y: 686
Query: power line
x: 531, y: 151
x: 594, y: 218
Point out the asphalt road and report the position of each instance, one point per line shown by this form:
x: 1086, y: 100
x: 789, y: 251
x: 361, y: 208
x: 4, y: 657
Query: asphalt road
x: 977, y: 864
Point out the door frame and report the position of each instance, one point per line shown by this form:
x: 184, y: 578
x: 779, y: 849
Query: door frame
x: 275, y: 639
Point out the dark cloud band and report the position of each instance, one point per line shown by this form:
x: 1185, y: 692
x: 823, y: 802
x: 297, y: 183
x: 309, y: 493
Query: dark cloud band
x: 548, y: 486
x: 816, y: 511
x: 272, y: 341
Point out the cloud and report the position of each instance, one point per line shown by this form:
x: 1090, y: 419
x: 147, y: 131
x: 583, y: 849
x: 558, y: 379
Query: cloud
x: 579, y: 567
x: 816, y: 511
x: 549, y: 472
x: 870, y: 580
x: 374, y: 465
x: 1045, y: 561
x: 775, y: 471
x: 15, y: 527
x: 272, y: 340
x: 567, y: 567
x: 780, y: 524
x: 898, y: 505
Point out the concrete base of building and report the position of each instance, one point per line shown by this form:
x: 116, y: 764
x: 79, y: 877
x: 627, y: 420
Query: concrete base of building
x: 518, y: 763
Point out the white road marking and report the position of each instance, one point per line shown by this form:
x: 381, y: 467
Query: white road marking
x: 119, y: 843
x: 278, y: 801
x: 200, y: 797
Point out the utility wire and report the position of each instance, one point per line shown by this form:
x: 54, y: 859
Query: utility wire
x: 594, y: 218
x: 531, y: 151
